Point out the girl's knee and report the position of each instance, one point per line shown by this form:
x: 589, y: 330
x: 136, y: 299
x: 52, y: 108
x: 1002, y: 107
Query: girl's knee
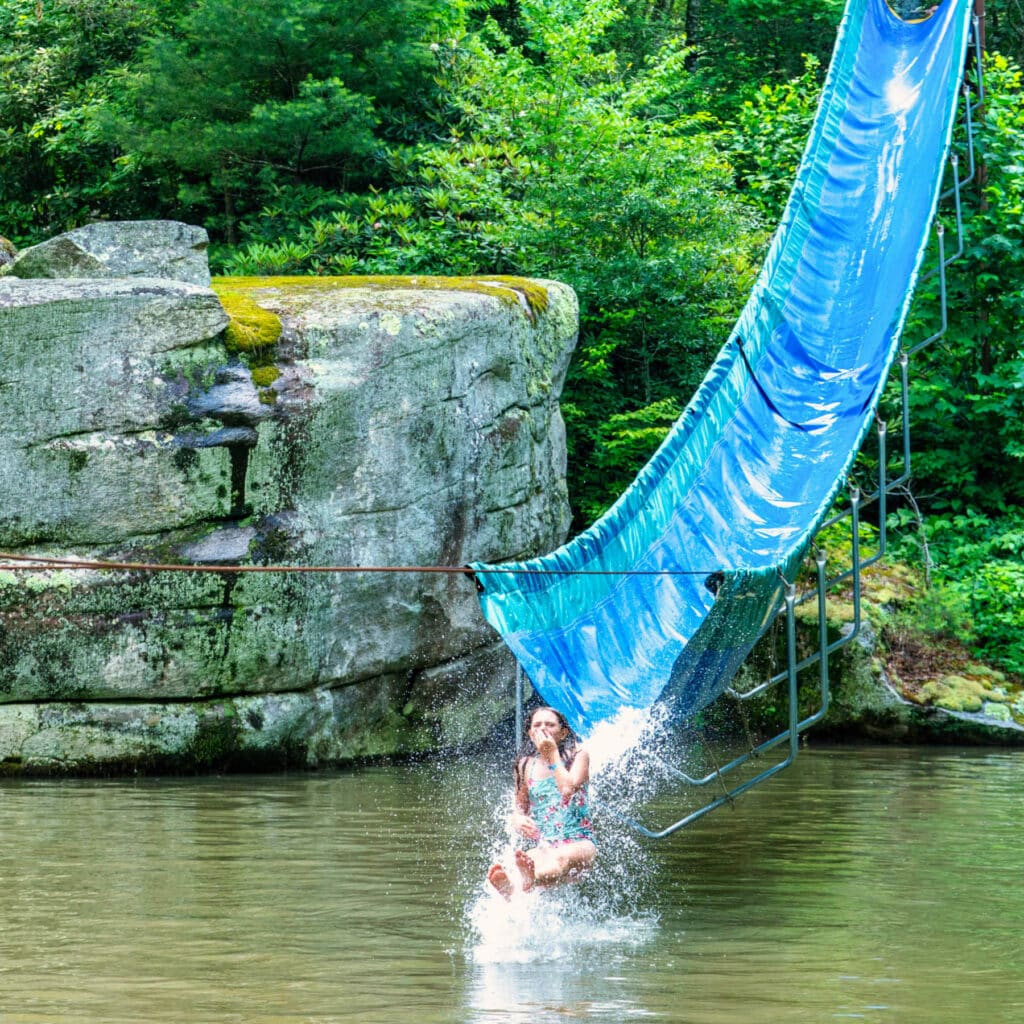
x: 577, y: 857
x: 584, y: 852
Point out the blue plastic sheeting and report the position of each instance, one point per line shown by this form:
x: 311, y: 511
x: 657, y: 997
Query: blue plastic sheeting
x: 628, y: 612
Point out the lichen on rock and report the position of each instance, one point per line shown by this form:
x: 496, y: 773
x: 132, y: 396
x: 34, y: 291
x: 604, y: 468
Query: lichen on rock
x: 163, y: 249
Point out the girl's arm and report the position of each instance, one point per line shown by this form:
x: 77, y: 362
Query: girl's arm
x: 521, y: 796
x: 575, y: 777
x: 521, y: 820
x: 569, y: 779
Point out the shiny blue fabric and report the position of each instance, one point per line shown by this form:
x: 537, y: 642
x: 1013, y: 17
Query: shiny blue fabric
x: 750, y: 470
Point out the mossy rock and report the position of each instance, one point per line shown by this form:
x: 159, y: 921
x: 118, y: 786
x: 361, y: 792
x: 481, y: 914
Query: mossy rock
x: 998, y: 712
x: 217, y: 737
x: 838, y: 612
x: 959, y: 693
x: 264, y: 376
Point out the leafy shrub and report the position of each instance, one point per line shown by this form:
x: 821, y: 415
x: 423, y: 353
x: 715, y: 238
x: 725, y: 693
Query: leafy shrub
x: 979, y: 581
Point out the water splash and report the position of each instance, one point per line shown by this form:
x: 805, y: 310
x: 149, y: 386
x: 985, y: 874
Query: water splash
x: 603, y: 911
x: 612, y: 740
x: 562, y: 924
x: 628, y: 757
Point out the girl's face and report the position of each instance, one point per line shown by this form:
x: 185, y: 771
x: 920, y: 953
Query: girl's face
x: 545, y: 724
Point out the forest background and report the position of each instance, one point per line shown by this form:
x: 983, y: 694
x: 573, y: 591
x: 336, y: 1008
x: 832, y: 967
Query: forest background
x: 640, y: 150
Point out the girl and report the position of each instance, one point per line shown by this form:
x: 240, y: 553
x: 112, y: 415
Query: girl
x: 551, y: 809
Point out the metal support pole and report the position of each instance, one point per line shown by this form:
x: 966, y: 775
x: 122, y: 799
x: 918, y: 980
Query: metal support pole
x: 794, y: 711
x: 822, y: 641
x: 905, y: 415
x: 958, y: 205
x: 519, y: 706
x: 823, y: 647
x: 855, y: 570
x: 883, y: 488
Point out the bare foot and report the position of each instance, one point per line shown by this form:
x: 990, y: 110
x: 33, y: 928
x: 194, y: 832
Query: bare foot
x: 526, y: 868
x: 498, y: 877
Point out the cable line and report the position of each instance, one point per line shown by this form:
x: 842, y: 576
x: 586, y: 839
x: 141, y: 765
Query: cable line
x: 29, y: 562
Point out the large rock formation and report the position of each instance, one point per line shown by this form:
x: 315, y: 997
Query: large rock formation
x: 344, y: 422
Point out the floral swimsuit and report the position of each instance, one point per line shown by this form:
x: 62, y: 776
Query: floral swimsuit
x: 561, y: 819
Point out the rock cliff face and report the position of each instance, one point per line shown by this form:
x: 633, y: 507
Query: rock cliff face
x: 345, y: 422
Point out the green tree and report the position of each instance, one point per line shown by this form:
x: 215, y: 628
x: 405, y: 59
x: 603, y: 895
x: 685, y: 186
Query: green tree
x: 768, y: 137
x: 1004, y: 29
x: 740, y: 46
x: 59, y: 65
x: 239, y: 98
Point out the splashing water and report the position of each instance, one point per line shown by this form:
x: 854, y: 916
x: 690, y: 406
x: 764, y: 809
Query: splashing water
x: 610, y: 741
x: 553, y: 925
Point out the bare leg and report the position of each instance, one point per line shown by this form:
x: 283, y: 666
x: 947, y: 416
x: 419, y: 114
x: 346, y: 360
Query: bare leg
x: 498, y: 877
x: 525, y: 863
x: 555, y: 864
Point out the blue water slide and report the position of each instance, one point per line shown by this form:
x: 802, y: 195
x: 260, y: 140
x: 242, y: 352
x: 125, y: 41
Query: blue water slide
x: 664, y: 596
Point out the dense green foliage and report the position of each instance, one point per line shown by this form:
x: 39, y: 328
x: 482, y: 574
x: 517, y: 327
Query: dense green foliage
x: 976, y: 567
x: 743, y: 45
x: 59, y: 68
x: 239, y: 100
x: 1004, y: 29
x: 638, y: 149
x: 768, y: 136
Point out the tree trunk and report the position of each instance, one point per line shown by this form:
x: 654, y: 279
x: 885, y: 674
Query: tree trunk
x: 229, y: 217
x: 691, y: 28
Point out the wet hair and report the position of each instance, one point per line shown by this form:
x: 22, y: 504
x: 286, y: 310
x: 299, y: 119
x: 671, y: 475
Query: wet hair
x: 567, y: 746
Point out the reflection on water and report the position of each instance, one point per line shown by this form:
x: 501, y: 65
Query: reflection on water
x: 871, y: 885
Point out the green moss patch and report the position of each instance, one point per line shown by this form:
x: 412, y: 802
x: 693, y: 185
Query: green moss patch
x: 521, y: 292
x: 264, y: 376
x: 253, y: 333
x: 251, y: 329
x: 960, y: 693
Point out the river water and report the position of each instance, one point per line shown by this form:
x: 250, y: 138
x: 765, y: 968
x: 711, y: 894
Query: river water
x: 874, y: 885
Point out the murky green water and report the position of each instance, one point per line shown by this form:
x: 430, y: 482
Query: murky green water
x: 872, y: 885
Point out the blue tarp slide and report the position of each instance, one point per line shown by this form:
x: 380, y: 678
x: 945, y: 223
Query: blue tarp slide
x: 664, y: 596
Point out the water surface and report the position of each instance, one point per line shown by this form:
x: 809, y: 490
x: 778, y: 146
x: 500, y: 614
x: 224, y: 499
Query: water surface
x: 860, y: 884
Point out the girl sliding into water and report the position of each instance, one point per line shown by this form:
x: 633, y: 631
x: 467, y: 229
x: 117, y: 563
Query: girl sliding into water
x: 551, y: 809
